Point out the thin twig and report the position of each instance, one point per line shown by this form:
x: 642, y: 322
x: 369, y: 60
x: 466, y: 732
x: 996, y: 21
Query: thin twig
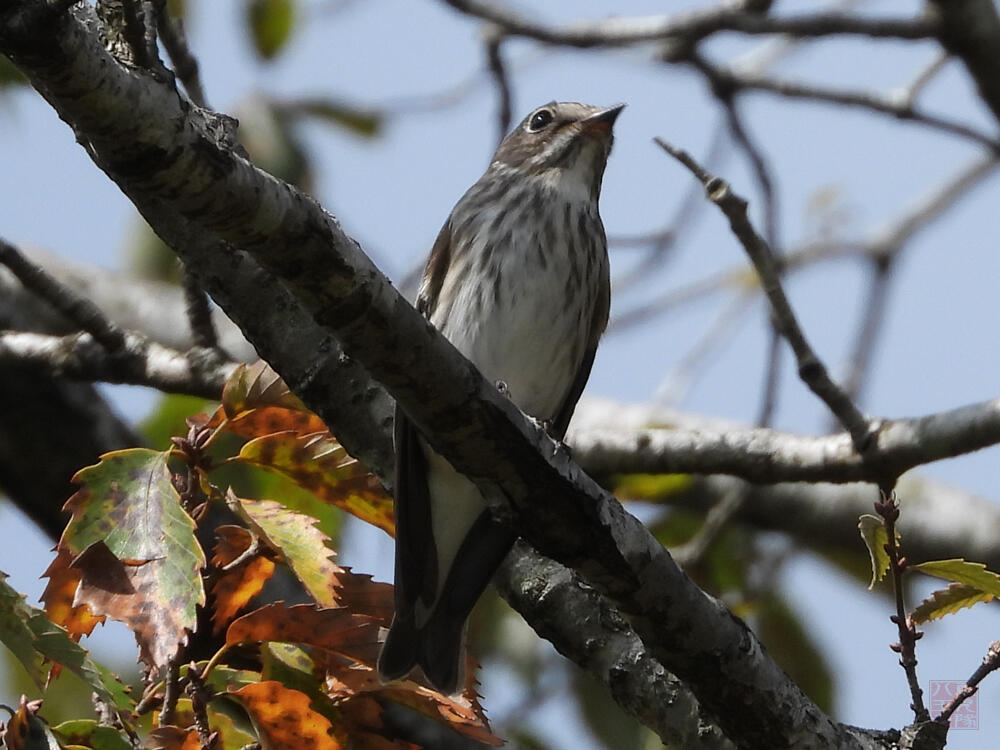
x: 184, y: 63
x: 991, y: 663
x: 498, y: 70
x: 871, y: 324
x: 66, y: 301
x: 171, y: 694
x: 811, y: 368
x: 888, y: 509
x: 908, y: 95
x: 199, y: 311
x: 899, y: 107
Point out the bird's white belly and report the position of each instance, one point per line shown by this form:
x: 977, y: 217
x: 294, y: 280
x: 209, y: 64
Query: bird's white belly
x: 529, y: 333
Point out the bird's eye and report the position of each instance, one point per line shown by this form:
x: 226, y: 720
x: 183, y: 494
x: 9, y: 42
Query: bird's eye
x: 539, y: 120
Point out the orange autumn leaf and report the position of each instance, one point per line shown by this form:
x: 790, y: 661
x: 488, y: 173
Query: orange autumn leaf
x: 256, y: 402
x: 59, y: 594
x: 335, y: 629
x: 283, y: 718
x: 319, y: 464
x: 360, y: 593
x: 234, y: 588
x: 173, y: 738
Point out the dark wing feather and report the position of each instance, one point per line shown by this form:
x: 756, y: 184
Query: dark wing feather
x: 435, y: 271
x: 598, y: 323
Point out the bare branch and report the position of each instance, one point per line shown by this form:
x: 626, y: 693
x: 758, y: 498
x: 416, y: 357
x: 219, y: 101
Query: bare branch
x: 811, y: 369
x: 498, y: 70
x: 693, y: 25
x: 76, y: 307
x: 139, y: 362
x: 900, y: 106
x: 991, y: 663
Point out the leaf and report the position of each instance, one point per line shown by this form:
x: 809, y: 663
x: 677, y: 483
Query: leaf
x: 335, y: 629
x: 271, y: 23
x: 136, y: 549
x: 59, y: 596
x: 948, y: 601
x: 235, y: 587
x: 173, y: 738
x: 26, y: 730
x: 88, y: 733
x: 962, y: 571
x: 873, y: 534
x: 363, y: 122
x: 283, y: 718
x: 364, y: 596
x: 650, y: 487
x: 256, y: 402
x: 297, y: 541
x: 52, y: 642
x: 16, y: 634
x: 169, y: 416
x: 319, y: 464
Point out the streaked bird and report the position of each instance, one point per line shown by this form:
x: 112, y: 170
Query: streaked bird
x: 518, y: 281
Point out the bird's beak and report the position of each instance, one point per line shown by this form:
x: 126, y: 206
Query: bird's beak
x: 600, y: 123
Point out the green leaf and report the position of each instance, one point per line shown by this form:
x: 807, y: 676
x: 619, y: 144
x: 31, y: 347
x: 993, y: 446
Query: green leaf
x: 961, y: 571
x: 88, y: 733
x: 50, y: 641
x: 271, y: 23
x: 296, y: 539
x: 363, y: 122
x: 319, y: 464
x: 15, y: 613
x: 649, y: 487
x: 875, y: 538
x: 136, y: 550
x: 948, y: 601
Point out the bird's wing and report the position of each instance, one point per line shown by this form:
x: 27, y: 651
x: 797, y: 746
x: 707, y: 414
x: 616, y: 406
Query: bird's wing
x: 598, y: 323
x: 435, y: 271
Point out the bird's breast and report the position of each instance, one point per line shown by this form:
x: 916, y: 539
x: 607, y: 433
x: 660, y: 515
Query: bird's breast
x: 519, y: 297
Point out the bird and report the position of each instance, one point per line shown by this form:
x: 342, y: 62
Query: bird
x: 518, y: 280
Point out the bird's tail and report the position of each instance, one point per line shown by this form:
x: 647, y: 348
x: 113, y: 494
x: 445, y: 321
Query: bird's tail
x: 437, y: 648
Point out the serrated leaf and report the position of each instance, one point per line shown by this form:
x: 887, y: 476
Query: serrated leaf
x: 60, y: 593
x: 88, y: 733
x: 962, y: 571
x: 319, y: 464
x: 284, y: 719
x: 235, y: 587
x: 256, y: 402
x: 948, y: 601
x: 875, y: 538
x: 334, y: 629
x: 271, y: 23
x: 15, y: 633
x: 297, y: 541
x: 52, y: 642
x: 150, y: 576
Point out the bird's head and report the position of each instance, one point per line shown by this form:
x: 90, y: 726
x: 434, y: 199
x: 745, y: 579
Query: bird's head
x: 564, y: 144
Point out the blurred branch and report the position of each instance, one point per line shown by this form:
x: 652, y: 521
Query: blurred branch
x: 498, y: 71
x: 139, y: 362
x: 899, y: 106
x: 765, y: 455
x: 692, y: 25
x: 991, y: 663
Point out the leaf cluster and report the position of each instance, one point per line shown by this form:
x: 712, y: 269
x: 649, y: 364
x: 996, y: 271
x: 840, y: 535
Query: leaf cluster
x: 190, y: 566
